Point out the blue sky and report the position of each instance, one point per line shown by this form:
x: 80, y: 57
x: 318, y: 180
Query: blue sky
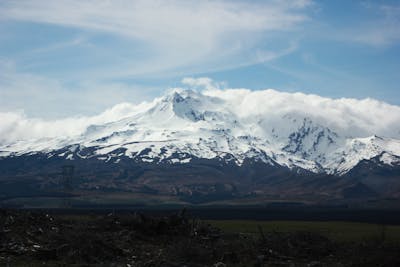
x: 63, y: 58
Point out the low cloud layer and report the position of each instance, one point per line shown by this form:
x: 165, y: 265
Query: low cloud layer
x: 15, y: 126
x: 347, y: 117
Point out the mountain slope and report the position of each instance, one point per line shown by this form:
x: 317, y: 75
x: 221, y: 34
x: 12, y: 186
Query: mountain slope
x: 186, y: 124
x: 204, y: 146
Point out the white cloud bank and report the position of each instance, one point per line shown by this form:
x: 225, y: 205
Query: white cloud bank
x: 15, y: 126
x: 348, y: 117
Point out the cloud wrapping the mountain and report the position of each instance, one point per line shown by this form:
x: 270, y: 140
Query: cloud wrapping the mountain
x: 347, y: 117
x: 16, y: 126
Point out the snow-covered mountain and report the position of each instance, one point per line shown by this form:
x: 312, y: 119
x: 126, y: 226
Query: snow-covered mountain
x: 234, y: 126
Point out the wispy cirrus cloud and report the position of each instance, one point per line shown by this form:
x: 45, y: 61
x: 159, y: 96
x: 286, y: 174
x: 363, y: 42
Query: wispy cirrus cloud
x: 173, y: 35
x: 380, y: 30
x: 96, y: 54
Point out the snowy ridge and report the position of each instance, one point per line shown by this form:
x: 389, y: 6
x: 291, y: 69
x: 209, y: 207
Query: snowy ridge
x: 186, y: 124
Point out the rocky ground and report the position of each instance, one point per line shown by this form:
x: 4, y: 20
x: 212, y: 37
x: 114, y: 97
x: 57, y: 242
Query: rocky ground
x: 47, y: 239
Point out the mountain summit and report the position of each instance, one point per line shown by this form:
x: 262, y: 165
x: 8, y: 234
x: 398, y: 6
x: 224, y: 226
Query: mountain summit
x: 279, y: 134
x: 201, y: 125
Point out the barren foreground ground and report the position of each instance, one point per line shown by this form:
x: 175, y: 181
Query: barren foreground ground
x: 132, y: 239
